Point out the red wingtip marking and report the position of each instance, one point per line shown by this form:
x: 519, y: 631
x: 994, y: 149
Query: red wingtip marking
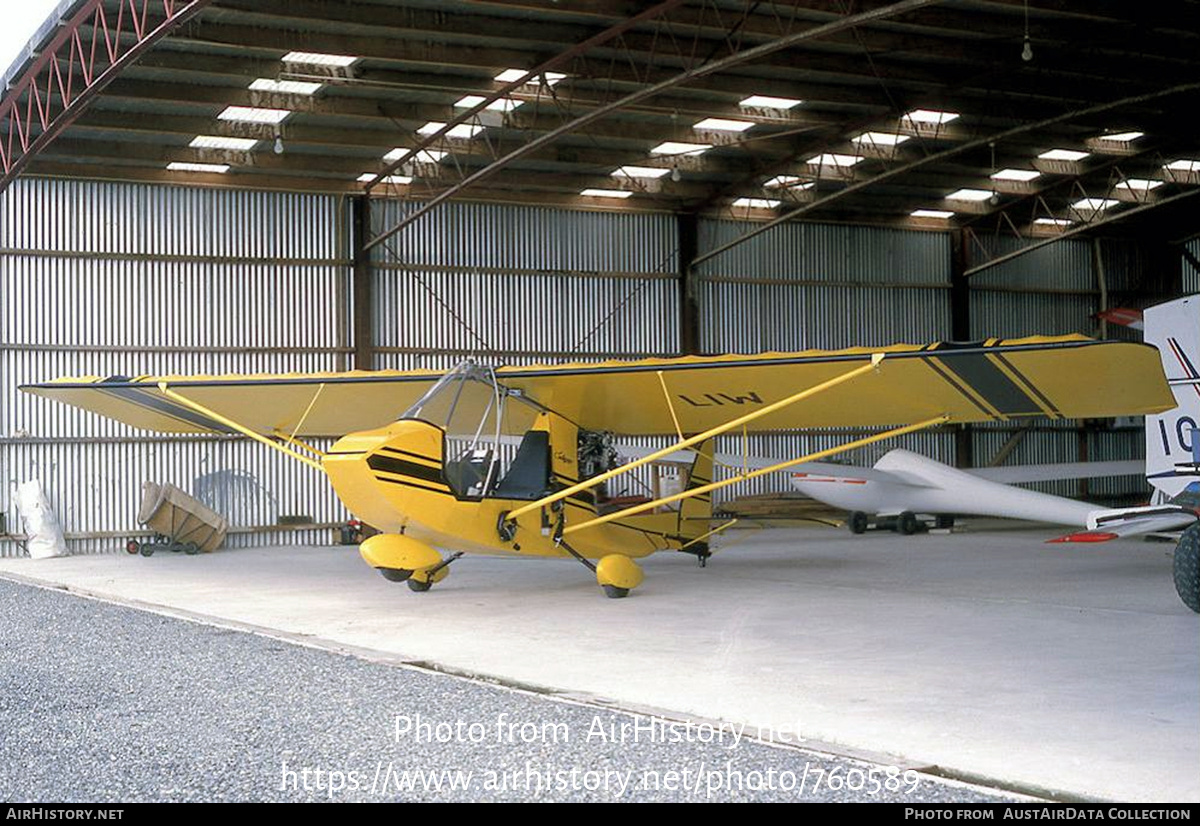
x: 1086, y: 536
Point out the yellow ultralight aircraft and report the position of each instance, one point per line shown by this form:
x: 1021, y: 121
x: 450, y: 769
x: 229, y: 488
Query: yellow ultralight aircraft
x: 516, y: 460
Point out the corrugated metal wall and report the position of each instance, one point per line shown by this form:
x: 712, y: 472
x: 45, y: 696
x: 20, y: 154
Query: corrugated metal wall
x: 525, y: 284
x: 108, y: 279
x: 1191, y: 275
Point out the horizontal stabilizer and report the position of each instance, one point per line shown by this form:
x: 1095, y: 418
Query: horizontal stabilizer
x: 1112, y: 524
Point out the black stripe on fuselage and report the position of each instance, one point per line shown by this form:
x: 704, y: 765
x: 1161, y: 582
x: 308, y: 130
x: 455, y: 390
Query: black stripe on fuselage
x: 407, y: 484
x: 418, y: 471
x: 399, y: 452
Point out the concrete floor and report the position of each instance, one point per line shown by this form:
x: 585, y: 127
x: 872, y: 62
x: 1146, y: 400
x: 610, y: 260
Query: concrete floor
x: 991, y: 654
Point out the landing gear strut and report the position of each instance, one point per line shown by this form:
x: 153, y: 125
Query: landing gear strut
x: 617, y: 574
x: 421, y: 581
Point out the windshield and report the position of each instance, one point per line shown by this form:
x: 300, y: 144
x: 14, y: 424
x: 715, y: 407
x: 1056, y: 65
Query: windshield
x: 483, y: 422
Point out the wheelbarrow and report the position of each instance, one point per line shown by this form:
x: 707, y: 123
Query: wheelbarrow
x: 180, y: 522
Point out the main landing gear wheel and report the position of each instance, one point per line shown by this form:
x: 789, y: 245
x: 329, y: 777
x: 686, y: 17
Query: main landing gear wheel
x: 394, y: 574
x: 857, y: 523
x: 421, y: 581
x: 907, y: 524
x: 1187, y: 567
x: 617, y: 574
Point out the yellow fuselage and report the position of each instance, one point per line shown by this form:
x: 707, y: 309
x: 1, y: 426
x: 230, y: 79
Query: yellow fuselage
x: 392, y: 478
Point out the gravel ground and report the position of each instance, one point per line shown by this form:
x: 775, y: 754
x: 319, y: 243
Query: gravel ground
x: 104, y: 703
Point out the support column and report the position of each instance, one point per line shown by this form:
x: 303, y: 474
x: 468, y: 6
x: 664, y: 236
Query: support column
x: 688, y: 228
x: 960, y: 330
x: 363, y: 320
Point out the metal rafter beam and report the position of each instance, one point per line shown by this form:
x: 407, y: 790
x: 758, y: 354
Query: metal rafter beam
x: 82, y: 58
x: 1091, y: 225
x: 978, y: 143
x: 708, y: 68
x: 540, y: 70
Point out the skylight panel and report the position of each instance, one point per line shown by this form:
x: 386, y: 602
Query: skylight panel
x: 397, y: 180
x: 680, y: 148
x: 1123, y: 137
x: 1022, y: 175
x: 1063, y: 155
x: 829, y: 159
x: 769, y: 102
x: 931, y: 117
x: 462, y: 131
x: 787, y: 182
x: 723, y: 125
x: 182, y: 166
x: 510, y: 75
x: 606, y: 193
x: 222, y: 142
x: 969, y: 195
x: 498, y: 105
x: 253, y: 114
x: 757, y: 203
x: 286, y: 87
x: 1094, y: 204
x: 940, y: 214
x: 1183, y: 165
x: 1052, y: 222
x: 879, y: 139
x: 652, y: 172
x: 1139, y: 184
x: 318, y: 59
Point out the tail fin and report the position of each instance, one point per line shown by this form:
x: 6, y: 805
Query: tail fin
x: 695, y: 512
x: 1172, y: 446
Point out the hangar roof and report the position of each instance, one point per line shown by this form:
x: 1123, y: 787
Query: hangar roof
x: 1037, y: 117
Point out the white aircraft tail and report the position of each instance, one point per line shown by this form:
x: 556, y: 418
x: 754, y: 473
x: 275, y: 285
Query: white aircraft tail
x: 1172, y: 441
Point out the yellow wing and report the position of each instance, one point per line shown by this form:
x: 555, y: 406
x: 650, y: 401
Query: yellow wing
x: 1066, y: 377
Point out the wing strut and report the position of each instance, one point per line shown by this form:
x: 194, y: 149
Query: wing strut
x: 692, y: 440
x: 754, y: 474
x: 245, y: 431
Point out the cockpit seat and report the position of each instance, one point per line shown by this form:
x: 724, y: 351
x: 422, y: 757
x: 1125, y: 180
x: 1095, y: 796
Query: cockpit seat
x: 528, y: 476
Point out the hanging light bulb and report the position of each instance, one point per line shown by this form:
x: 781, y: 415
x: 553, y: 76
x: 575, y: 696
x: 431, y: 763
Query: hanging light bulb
x: 1027, y: 51
x: 278, y: 144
